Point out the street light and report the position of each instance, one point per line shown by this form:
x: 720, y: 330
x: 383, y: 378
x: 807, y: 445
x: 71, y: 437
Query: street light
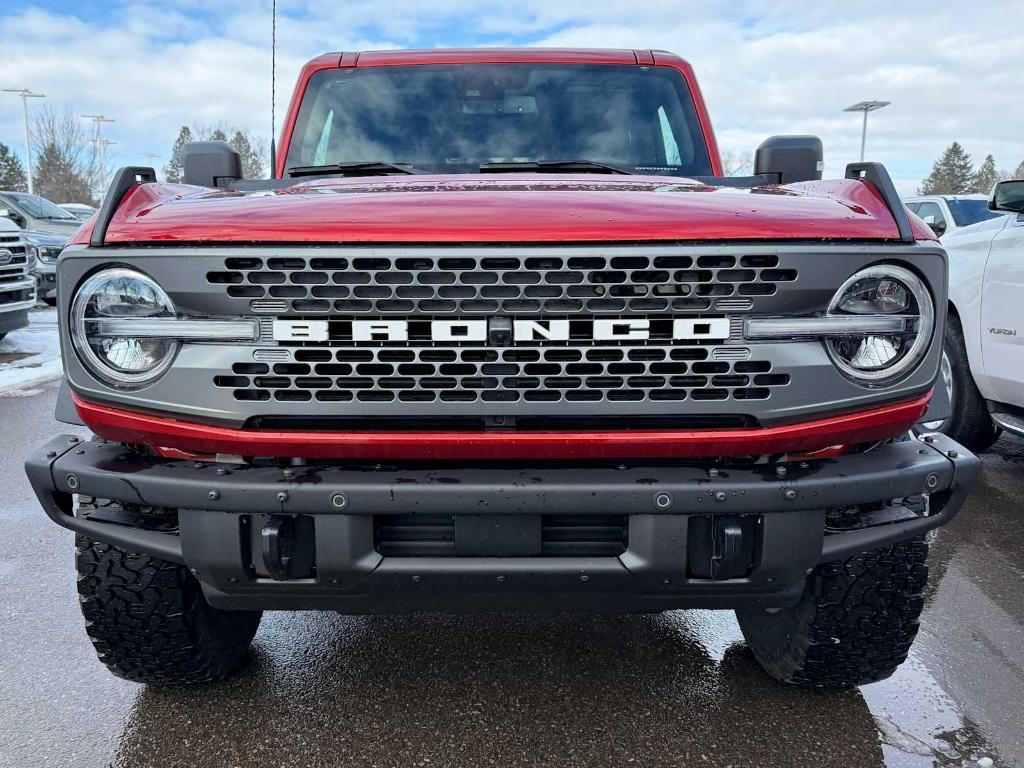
x: 865, y: 107
x: 26, y: 94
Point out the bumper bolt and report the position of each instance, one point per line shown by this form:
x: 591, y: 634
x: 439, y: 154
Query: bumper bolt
x: 789, y: 493
x: 282, y: 496
x: 501, y: 578
x: 222, y: 470
x: 417, y: 579
x: 804, y: 465
x: 663, y: 501
x: 584, y: 577
x: 287, y: 472
x: 928, y: 439
x: 781, y: 471
x: 72, y: 481
x: 213, y: 495
x: 339, y: 501
x: 720, y: 496
x: 50, y: 454
x: 931, y: 482
x: 73, y: 440
x: 952, y: 454
x: 713, y: 472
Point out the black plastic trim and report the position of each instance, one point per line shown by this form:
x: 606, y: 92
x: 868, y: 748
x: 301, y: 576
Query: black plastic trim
x: 124, y: 179
x: 351, y: 496
x: 877, y: 174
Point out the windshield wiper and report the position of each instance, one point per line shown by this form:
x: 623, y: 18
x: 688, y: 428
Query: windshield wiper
x: 553, y: 166
x: 370, y: 168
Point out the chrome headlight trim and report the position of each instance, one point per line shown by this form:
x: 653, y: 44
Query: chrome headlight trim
x: 80, y: 335
x: 925, y: 324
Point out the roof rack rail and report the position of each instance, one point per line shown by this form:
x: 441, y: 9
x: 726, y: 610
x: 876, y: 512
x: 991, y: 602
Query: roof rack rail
x: 124, y: 179
x: 877, y: 174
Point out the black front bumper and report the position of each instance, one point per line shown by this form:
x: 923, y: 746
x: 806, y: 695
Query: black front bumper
x: 228, y: 522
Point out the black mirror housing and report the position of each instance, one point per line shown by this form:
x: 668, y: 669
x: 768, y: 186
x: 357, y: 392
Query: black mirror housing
x: 209, y: 163
x: 790, y: 158
x: 1007, y: 196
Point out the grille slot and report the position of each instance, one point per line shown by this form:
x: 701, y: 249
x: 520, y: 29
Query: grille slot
x: 516, y: 284
x: 484, y: 374
x: 561, y: 535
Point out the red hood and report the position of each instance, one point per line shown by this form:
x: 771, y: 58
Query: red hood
x: 510, y: 208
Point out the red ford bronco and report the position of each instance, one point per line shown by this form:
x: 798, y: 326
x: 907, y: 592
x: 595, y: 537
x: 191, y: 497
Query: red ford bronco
x: 498, y: 334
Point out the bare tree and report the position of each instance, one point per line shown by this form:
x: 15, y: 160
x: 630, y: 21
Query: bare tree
x: 72, y: 171
x: 736, y: 163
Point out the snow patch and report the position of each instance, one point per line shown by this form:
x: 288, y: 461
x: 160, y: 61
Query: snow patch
x: 36, y: 355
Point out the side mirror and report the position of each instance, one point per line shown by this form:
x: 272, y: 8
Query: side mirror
x: 790, y: 158
x: 938, y: 227
x: 7, y: 213
x: 206, y: 163
x: 1007, y: 196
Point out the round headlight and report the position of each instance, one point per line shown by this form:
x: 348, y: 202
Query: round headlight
x: 120, y: 294
x: 890, y: 291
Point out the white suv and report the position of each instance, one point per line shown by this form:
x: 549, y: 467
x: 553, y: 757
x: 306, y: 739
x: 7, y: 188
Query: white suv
x: 947, y: 213
x: 983, y: 359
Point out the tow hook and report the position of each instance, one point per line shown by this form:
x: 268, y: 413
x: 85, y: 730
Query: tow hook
x: 286, y: 547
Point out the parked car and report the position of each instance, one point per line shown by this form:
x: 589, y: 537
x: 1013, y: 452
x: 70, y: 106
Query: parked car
x: 947, y: 213
x: 46, y: 247
x: 561, y: 362
x: 37, y: 213
x: 17, y: 288
x: 78, y: 210
x: 983, y: 357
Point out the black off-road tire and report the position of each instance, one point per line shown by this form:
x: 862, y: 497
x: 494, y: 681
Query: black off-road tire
x: 969, y: 422
x: 854, y: 624
x: 149, y: 622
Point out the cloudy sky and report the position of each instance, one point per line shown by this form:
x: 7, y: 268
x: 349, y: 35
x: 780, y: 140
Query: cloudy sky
x: 952, y: 69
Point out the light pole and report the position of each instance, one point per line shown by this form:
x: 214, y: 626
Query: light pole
x: 99, y: 149
x: 865, y: 107
x: 26, y: 94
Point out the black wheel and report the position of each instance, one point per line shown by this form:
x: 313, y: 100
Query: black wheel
x: 149, y: 622
x: 969, y: 422
x: 50, y: 301
x: 854, y: 624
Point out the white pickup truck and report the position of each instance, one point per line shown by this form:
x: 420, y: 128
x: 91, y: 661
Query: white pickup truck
x: 983, y: 359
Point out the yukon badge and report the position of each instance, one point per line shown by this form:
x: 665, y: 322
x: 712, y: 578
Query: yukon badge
x: 497, y: 331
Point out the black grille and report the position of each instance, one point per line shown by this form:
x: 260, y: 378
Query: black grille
x: 561, y: 535
x: 471, y: 374
x: 509, y: 284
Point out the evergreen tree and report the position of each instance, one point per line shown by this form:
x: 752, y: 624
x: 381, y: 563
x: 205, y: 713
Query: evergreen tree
x: 172, y: 171
x: 253, y: 160
x: 218, y: 135
x: 986, y: 176
x: 952, y: 174
x: 1019, y: 173
x: 12, y: 174
x: 57, y: 179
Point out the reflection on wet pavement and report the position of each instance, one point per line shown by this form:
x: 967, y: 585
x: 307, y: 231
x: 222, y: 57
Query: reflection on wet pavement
x: 677, y: 688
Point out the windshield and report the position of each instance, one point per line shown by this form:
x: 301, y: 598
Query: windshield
x: 37, y: 207
x: 966, y: 212
x: 453, y: 118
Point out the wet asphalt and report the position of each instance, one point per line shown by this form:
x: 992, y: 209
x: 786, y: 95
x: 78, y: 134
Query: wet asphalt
x: 675, y: 689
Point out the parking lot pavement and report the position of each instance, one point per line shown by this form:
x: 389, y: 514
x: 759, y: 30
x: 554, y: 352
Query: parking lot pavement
x: 677, y: 688
x: 31, y: 356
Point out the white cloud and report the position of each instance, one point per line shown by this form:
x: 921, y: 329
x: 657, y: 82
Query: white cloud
x: 787, y: 66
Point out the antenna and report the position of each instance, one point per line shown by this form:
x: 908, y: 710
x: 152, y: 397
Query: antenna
x: 273, y: 92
